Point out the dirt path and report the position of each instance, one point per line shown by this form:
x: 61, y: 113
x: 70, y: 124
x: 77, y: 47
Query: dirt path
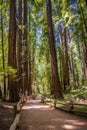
x: 36, y: 116
x: 6, y: 115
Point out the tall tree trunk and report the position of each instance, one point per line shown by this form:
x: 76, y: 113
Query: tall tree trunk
x: 12, y: 83
x: 66, y: 59
x: 84, y: 45
x: 62, y: 56
x: 29, y: 41
x: 53, y: 57
x: 72, y: 68
x: 19, y: 42
x: 3, y: 59
x: 30, y: 73
x: 25, y: 48
x: 61, y: 71
x: 84, y: 32
x: 33, y: 68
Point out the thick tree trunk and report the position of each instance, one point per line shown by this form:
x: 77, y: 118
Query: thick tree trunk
x: 66, y: 59
x: 53, y: 57
x: 3, y: 59
x: 25, y: 58
x: 20, y: 78
x: 85, y: 51
x: 12, y: 83
x: 83, y: 19
x: 64, y: 56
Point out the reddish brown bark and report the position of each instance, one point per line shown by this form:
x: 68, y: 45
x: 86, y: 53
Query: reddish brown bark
x: 12, y: 83
x: 56, y: 87
x: 19, y: 44
x: 25, y: 45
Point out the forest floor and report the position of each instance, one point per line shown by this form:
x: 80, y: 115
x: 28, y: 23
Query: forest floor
x: 6, y: 115
x: 37, y: 116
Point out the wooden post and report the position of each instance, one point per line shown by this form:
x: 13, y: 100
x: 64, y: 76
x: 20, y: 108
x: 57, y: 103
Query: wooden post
x: 55, y: 102
x: 15, y: 110
x: 72, y: 106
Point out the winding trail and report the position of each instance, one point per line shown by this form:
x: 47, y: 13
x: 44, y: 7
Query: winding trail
x: 37, y: 116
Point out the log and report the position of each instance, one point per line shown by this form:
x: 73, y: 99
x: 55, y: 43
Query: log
x: 17, y: 108
x: 19, y: 104
x: 16, y: 121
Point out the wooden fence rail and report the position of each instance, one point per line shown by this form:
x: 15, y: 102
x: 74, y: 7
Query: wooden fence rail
x: 69, y: 104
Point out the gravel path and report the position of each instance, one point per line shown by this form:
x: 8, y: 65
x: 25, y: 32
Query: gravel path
x: 37, y: 116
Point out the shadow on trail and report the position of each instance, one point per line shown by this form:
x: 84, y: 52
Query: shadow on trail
x: 37, y: 116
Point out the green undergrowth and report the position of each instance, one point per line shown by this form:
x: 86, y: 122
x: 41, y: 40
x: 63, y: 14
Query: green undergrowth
x: 80, y: 93
x: 78, y: 96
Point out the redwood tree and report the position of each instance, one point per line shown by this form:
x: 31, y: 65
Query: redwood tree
x: 3, y: 57
x: 12, y: 82
x: 19, y: 45
x: 25, y: 49
x: 56, y: 86
x: 29, y: 50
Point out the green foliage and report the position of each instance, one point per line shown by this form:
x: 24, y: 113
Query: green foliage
x: 69, y: 16
x: 80, y: 93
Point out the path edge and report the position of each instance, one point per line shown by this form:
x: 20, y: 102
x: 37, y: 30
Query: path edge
x: 15, y: 122
x: 19, y: 106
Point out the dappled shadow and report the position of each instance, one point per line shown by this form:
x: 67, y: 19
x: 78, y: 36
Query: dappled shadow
x: 7, y: 105
x: 37, y: 116
x: 6, y: 115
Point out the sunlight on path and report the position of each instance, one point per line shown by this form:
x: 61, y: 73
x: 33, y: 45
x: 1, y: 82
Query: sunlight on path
x: 37, y: 116
x: 33, y: 105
